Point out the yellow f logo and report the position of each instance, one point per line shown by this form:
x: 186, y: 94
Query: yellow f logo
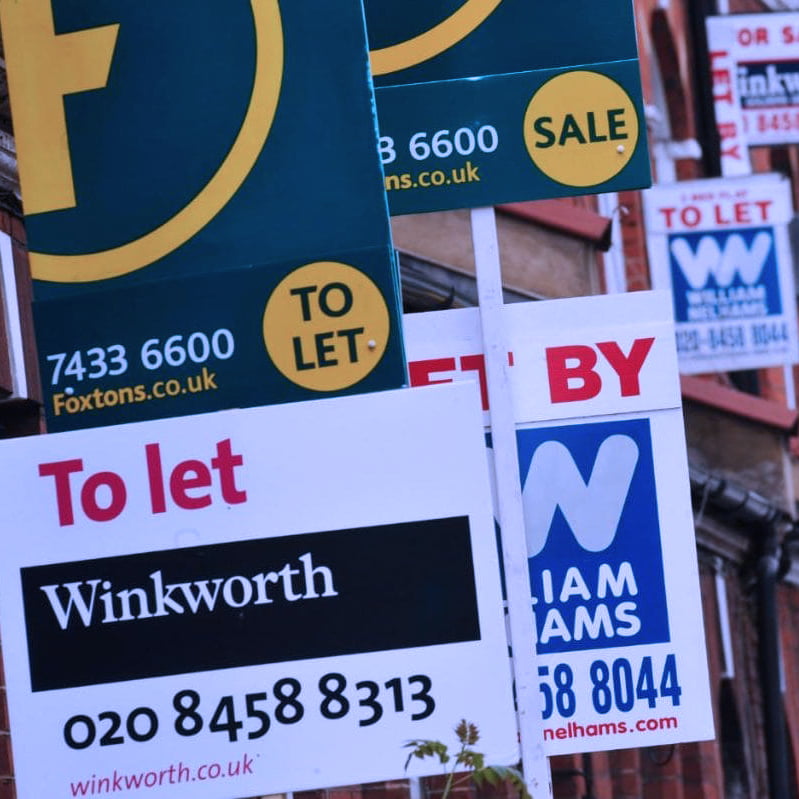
x: 43, y: 67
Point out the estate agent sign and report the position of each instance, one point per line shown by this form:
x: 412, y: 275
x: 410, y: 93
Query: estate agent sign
x: 199, y: 606
x: 721, y: 247
x: 183, y: 167
x: 754, y: 63
x: 489, y: 101
x: 607, y: 511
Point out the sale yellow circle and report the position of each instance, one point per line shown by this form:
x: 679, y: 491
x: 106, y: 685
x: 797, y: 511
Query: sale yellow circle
x: 326, y: 326
x: 581, y: 128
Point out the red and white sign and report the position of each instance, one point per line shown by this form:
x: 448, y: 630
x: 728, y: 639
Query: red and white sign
x: 570, y: 358
x: 607, y: 511
x: 754, y: 67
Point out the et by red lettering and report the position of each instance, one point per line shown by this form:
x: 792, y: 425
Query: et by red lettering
x: 420, y: 372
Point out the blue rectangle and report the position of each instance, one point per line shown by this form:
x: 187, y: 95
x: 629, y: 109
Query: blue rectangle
x: 593, y: 532
x: 724, y: 275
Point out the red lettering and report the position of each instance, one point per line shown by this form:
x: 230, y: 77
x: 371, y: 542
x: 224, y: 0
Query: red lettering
x: 690, y: 216
x: 187, y: 475
x: 741, y: 212
x: 560, y: 373
x: 748, y: 36
x: 224, y: 462
x: 723, y: 98
x: 193, y: 474
x: 477, y: 363
x: 732, y: 152
x: 627, y: 367
x: 419, y: 371
x: 155, y: 476
x: 88, y: 496
x: 720, y: 77
x: 61, y: 470
x: 668, y: 213
x: 763, y: 206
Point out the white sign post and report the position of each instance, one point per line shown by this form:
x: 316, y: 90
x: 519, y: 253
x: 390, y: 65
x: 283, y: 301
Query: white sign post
x: 509, y: 506
x: 607, y: 511
x: 201, y: 606
x: 721, y: 247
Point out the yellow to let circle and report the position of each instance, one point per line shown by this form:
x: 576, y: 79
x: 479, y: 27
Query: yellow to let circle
x: 581, y: 128
x: 326, y: 326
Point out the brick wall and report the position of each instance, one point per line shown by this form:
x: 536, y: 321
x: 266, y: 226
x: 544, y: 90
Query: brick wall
x: 633, y: 237
x: 19, y: 416
x: 6, y: 765
x: 789, y: 627
x: 14, y: 228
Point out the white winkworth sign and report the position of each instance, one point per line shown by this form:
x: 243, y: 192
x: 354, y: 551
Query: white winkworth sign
x: 721, y: 247
x: 609, y: 525
x: 252, y: 602
x: 754, y: 70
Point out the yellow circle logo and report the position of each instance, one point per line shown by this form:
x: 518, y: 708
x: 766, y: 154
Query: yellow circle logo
x: 435, y: 41
x: 215, y: 195
x: 326, y: 326
x: 581, y: 128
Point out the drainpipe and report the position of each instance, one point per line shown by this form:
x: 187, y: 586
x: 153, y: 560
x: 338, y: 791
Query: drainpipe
x: 769, y: 654
x: 756, y: 512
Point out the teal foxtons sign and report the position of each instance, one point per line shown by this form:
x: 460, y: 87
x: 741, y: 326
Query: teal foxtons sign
x: 204, y: 204
x: 489, y: 101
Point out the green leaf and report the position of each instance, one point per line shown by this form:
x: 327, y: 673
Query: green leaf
x: 478, y: 772
x: 470, y: 758
x: 511, y: 775
x: 423, y: 748
x: 487, y: 774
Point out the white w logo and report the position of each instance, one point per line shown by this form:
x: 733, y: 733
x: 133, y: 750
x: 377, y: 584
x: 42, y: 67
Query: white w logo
x: 593, y: 509
x: 722, y: 263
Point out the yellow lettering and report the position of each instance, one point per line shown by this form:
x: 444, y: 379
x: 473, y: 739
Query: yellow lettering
x: 43, y: 67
